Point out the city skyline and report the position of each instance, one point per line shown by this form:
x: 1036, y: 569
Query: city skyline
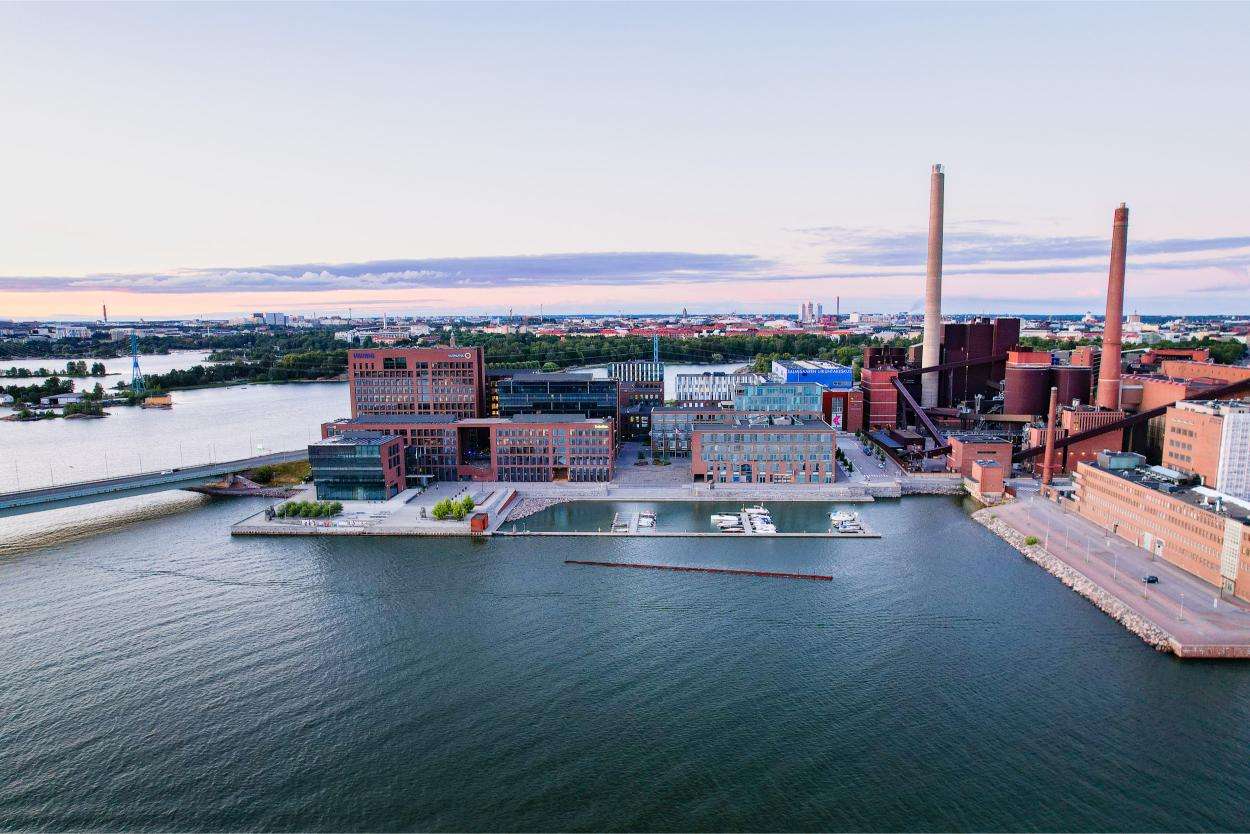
x: 428, y: 159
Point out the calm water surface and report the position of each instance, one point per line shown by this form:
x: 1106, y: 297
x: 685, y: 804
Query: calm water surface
x: 118, y: 369
x: 205, y: 425
x: 164, y: 676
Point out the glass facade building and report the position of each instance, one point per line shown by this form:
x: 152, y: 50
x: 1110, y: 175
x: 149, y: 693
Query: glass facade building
x: 358, y: 466
x: 536, y: 393
x: 781, y: 397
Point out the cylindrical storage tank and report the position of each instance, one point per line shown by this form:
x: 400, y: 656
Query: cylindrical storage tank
x: 1073, y: 383
x: 1028, y: 389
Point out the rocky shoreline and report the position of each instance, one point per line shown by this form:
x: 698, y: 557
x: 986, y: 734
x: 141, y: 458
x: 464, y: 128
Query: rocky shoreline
x: 1150, y: 633
x: 529, y: 506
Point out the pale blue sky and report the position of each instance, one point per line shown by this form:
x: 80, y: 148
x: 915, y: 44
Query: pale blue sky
x: 162, y: 157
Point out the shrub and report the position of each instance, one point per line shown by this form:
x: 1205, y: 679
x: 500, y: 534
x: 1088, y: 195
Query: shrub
x: 1030, y: 540
x: 263, y: 475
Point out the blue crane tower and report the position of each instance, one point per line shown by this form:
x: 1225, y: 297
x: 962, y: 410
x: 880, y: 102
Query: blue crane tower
x: 136, y: 376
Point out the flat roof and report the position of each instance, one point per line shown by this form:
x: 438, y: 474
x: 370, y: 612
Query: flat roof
x: 1199, y: 497
x: 812, y: 364
x: 557, y: 376
x: 356, y: 438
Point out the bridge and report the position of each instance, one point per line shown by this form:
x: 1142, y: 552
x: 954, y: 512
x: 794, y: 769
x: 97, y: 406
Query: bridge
x: 145, y: 481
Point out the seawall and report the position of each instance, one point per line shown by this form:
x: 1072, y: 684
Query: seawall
x: 1149, y: 632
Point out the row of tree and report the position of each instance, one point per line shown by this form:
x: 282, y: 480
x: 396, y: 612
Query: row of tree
x: 72, y: 369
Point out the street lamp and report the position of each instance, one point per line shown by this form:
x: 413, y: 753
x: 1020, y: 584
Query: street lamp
x: 1181, y: 616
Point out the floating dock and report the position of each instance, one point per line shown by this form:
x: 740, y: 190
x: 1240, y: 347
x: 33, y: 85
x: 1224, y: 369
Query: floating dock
x: 817, y: 577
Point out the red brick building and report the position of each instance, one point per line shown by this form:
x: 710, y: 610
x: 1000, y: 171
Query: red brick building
x: 1196, y: 529
x: 880, y: 408
x: 1074, y: 420
x: 969, y: 448
x: 843, y: 409
x: 527, y: 447
x: 445, y: 381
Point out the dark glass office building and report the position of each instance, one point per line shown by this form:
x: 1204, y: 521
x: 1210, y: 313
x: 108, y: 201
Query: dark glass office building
x: 538, y: 393
x: 357, y: 466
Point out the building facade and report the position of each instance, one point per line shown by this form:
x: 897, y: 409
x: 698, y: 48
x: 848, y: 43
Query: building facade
x: 528, y: 447
x: 804, y: 398
x: 1210, y: 439
x: 880, y: 397
x: 673, y: 426
x: 558, y: 393
x: 357, y: 466
x: 819, y: 371
x: 1195, y: 528
x: 711, y: 386
x: 637, y: 370
x: 444, y: 381
x: 764, y: 449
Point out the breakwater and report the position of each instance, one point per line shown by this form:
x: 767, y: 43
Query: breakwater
x: 530, y: 505
x: 1102, y: 599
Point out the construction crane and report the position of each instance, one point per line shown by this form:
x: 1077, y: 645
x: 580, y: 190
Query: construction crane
x: 136, y: 376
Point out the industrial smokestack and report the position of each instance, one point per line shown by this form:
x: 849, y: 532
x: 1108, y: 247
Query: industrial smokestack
x: 1109, y: 368
x: 1048, y: 458
x: 932, y: 347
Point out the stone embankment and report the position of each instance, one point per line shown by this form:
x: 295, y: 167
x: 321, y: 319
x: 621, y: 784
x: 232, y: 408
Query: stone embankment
x: 932, y: 486
x: 528, y: 506
x: 1079, y: 582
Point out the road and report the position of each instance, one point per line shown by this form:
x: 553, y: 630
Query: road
x: 1189, y: 609
x: 111, y: 487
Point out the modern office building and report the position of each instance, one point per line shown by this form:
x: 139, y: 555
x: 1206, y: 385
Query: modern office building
x: 801, y: 398
x: 1210, y: 439
x: 527, y: 447
x: 558, y: 393
x: 673, y: 426
x: 357, y: 466
x: 431, y: 450
x: 637, y: 370
x: 636, y: 422
x: 820, y: 371
x: 1196, y: 528
x: 711, y: 386
x: 445, y: 381
x: 765, y: 449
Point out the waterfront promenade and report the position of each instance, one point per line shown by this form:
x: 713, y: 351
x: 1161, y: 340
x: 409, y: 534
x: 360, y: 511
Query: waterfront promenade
x: 1198, y: 621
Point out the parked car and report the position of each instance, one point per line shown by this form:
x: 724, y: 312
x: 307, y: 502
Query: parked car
x: 1150, y: 580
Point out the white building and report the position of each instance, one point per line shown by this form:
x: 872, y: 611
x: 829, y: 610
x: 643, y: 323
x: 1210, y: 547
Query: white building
x: 712, y: 386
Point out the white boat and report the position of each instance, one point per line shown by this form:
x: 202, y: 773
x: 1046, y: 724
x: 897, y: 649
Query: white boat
x: 728, y: 528
x: 843, y: 515
x: 756, y: 510
x: 850, y: 527
x: 646, y: 518
x: 725, y: 518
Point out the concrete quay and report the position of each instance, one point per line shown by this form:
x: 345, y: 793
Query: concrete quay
x: 1180, y: 614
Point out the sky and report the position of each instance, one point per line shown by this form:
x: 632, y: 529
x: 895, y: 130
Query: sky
x: 180, y: 159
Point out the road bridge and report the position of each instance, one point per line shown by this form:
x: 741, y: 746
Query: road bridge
x: 145, y: 481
